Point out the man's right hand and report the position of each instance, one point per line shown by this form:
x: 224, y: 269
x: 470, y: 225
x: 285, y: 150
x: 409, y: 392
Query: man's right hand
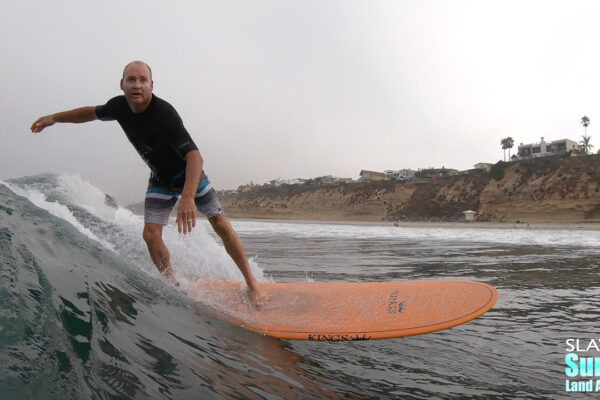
x: 42, y: 123
x: 186, y: 215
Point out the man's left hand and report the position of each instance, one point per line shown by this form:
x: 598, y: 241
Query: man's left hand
x: 186, y: 215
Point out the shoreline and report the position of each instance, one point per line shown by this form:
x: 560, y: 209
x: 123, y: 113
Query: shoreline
x: 424, y: 224
x: 556, y: 225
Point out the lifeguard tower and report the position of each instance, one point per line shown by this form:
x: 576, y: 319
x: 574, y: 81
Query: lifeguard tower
x: 469, y: 215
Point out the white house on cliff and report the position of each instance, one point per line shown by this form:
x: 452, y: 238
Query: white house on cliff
x: 543, y: 148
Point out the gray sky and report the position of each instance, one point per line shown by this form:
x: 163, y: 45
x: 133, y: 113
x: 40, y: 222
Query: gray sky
x: 294, y: 89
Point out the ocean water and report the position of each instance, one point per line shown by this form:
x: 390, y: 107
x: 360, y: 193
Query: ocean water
x: 84, y: 314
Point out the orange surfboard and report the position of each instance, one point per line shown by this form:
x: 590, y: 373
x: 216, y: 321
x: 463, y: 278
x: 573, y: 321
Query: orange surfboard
x: 346, y: 311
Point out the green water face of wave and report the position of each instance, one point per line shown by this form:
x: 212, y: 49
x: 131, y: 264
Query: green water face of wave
x: 47, y: 319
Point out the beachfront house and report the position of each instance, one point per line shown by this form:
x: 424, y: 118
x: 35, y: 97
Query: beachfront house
x: 321, y: 180
x: 434, y: 173
x: 400, y: 175
x: 543, y: 148
x: 278, y: 182
x: 484, y: 166
x: 329, y: 180
x: 368, y: 176
x: 297, y: 181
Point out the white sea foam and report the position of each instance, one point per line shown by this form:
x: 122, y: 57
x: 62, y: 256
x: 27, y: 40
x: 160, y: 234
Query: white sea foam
x: 86, y: 196
x: 195, y: 256
x: 59, y: 210
x: 516, y: 236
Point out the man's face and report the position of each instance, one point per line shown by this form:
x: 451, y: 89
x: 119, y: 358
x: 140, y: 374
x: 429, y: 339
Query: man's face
x: 137, y: 86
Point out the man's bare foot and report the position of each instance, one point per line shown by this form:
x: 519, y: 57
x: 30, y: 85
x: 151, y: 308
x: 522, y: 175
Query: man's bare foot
x: 257, y: 296
x: 169, y: 276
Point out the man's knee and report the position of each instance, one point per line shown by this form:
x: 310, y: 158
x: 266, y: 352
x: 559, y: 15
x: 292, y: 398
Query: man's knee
x: 152, y: 233
x: 221, y: 226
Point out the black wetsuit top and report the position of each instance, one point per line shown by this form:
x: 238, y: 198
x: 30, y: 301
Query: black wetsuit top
x: 157, y: 134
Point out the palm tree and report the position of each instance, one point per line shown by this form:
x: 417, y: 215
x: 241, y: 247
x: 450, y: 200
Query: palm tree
x: 585, y: 121
x: 507, y: 143
x: 585, y: 144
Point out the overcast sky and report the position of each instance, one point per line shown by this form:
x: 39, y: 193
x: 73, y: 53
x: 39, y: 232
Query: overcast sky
x: 304, y: 88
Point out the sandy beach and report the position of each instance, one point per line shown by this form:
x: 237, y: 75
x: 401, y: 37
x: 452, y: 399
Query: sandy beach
x: 465, y: 224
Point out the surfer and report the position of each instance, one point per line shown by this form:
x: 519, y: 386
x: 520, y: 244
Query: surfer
x: 157, y: 132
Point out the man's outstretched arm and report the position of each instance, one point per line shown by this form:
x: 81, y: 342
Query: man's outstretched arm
x: 77, y: 115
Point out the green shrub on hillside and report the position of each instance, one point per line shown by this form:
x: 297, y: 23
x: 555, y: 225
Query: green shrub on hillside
x: 497, y: 170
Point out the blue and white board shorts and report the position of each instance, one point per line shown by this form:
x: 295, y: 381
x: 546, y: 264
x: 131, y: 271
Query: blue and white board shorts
x: 160, y: 201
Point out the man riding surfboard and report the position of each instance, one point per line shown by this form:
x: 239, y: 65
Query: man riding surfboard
x: 157, y: 132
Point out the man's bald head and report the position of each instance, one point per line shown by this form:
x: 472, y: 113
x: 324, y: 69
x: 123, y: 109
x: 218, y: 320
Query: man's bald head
x: 137, y: 62
x: 137, y: 85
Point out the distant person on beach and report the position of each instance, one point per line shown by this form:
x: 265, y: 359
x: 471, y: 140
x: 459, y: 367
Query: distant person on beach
x: 156, y: 131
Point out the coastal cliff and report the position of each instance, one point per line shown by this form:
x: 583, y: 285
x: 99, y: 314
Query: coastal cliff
x: 548, y: 189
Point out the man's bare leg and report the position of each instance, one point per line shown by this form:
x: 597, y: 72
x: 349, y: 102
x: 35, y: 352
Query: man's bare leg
x: 235, y: 249
x: 158, y: 250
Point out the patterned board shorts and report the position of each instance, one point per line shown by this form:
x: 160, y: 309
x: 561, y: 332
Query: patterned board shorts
x: 161, y: 200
